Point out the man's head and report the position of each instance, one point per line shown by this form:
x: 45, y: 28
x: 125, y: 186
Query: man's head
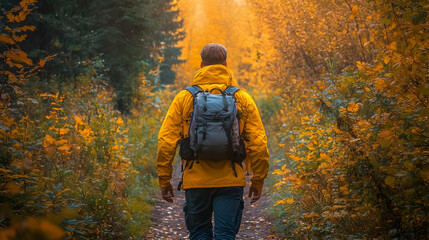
x: 213, y: 53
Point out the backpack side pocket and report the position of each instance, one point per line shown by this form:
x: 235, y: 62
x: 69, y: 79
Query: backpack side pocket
x: 185, y: 151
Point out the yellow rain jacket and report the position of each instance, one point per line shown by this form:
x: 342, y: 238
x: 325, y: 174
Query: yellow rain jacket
x: 207, y: 174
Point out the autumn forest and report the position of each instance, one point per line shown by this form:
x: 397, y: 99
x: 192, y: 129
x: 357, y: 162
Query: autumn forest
x: 342, y: 87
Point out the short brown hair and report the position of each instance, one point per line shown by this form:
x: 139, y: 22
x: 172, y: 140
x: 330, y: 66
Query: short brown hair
x: 213, y: 53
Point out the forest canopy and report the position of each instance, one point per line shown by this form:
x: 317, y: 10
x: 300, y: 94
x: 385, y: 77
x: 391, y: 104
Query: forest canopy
x: 124, y: 38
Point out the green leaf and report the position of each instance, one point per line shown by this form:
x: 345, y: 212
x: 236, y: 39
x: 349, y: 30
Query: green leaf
x: 386, y: 21
x: 385, y: 143
x: 389, y: 180
x: 425, y: 90
x: 374, y: 162
x: 420, y: 18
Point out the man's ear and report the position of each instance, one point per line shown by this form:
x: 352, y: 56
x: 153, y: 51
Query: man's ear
x: 226, y: 64
x: 202, y: 65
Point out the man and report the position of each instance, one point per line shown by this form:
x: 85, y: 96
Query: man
x: 212, y: 186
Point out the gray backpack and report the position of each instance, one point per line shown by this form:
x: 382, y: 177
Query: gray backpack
x: 214, y: 131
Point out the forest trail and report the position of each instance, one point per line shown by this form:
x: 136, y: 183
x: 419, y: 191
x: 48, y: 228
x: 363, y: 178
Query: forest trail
x: 341, y: 87
x: 169, y: 223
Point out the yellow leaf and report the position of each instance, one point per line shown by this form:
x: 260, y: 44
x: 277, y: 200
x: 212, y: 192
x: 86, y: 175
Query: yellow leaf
x: 49, y: 139
x: 19, y: 38
x: 353, y: 107
x: 45, y: 95
x: 379, y: 67
x: 311, y: 215
x: 64, y: 148
x: 393, y: 46
x: 18, y: 55
x: 386, y: 138
x: 119, y: 121
x: 12, y: 77
x: 386, y: 59
x: 78, y: 120
x: 61, y: 142
x: 344, y: 189
x: 64, y: 131
x: 280, y: 202
x: 6, y: 39
x: 355, y: 9
x: 379, y: 84
x: 25, y: 28
x: 324, y: 156
x: 86, y: 133
x: 360, y: 65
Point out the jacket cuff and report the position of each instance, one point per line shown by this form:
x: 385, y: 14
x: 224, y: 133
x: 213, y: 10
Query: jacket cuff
x: 164, y: 182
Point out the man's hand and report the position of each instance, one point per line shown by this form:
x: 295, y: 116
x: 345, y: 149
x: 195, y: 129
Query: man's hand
x: 167, y: 193
x: 254, y: 194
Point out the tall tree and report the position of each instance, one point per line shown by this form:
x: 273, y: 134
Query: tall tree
x: 127, y: 37
x: 136, y: 36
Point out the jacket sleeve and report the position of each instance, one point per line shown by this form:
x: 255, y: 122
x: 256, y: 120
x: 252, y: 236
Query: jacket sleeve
x: 168, y: 137
x: 256, y: 139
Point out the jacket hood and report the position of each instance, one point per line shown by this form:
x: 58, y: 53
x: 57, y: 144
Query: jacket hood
x: 214, y: 74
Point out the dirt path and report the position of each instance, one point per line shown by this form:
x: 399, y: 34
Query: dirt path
x: 169, y: 222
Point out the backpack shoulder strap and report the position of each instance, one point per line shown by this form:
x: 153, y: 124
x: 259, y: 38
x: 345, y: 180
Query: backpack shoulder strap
x: 194, y: 89
x: 231, y: 90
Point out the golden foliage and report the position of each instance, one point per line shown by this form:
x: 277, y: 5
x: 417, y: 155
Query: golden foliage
x: 353, y: 79
x: 71, y: 166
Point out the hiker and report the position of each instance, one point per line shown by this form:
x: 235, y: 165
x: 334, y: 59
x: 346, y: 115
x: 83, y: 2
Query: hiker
x: 210, y: 120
